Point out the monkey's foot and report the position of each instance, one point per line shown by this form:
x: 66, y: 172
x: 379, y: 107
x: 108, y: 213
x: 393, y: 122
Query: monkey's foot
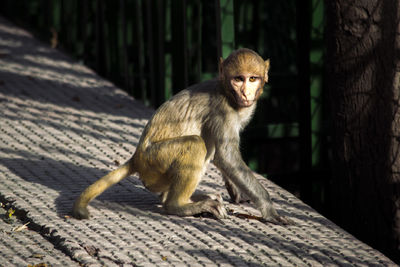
x: 211, y: 204
x: 269, y: 214
x: 240, y: 199
x: 215, y: 206
x: 80, y: 212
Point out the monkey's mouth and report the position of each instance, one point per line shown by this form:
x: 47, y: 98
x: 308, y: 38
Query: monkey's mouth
x: 243, y: 102
x: 240, y: 100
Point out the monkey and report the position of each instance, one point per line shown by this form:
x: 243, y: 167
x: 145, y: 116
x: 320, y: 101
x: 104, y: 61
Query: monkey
x: 197, y: 125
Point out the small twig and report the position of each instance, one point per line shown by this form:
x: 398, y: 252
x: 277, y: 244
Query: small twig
x: 20, y: 228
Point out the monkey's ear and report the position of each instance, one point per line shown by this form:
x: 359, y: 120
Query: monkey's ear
x: 267, y: 65
x: 221, y: 60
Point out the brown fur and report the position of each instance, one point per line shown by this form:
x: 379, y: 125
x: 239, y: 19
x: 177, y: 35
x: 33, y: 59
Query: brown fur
x: 244, y: 60
x: 198, y: 124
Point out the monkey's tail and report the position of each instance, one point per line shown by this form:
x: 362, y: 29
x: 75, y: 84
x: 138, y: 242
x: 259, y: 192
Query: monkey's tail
x: 80, y: 206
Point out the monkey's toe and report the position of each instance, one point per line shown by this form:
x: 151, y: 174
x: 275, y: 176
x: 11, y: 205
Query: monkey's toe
x: 216, y: 197
x: 216, y: 208
x: 285, y: 221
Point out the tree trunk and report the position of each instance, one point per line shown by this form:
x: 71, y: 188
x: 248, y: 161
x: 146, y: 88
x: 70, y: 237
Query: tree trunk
x: 363, y: 78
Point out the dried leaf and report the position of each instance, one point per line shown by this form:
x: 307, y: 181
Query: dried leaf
x: 164, y: 258
x: 42, y: 264
x: 20, y: 228
x: 116, y: 162
x: 248, y: 216
x: 37, y: 256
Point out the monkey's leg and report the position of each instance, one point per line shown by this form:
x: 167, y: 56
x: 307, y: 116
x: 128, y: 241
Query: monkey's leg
x: 80, y: 210
x: 179, y: 200
x: 186, y: 159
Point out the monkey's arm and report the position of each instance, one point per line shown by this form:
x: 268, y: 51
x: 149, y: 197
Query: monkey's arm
x: 229, y: 160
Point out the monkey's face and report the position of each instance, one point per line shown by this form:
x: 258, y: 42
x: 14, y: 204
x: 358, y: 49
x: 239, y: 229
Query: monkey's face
x: 243, y: 75
x: 246, y: 88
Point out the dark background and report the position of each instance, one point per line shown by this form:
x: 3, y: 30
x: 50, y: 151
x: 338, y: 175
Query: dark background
x: 153, y: 49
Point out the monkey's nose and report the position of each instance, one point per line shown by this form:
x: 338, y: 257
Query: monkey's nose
x: 244, y: 92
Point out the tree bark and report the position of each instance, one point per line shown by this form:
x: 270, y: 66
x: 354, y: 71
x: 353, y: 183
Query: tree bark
x: 363, y: 79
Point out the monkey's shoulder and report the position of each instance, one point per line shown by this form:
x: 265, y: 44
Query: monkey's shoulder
x: 197, y: 98
x: 200, y: 91
x: 185, y: 111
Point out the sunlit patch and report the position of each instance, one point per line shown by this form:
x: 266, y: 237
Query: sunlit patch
x: 10, y: 43
x: 52, y: 75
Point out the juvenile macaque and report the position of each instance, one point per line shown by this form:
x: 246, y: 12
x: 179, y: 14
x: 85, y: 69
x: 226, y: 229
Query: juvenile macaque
x: 199, y: 124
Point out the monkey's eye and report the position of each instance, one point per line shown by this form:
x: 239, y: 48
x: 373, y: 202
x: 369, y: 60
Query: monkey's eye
x: 252, y: 79
x: 238, y: 79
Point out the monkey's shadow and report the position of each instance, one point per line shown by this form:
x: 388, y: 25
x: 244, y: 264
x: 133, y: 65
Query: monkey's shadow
x: 69, y: 180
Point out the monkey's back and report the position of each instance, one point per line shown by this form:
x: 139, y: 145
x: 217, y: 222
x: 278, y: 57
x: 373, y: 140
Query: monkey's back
x: 183, y: 114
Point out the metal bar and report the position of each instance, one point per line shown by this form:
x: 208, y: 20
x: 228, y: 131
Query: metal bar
x: 303, y: 68
x: 159, y: 25
x: 179, y: 49
x: 84, y: 37
x: 100, y: 53
x: 316, y: 59
x: 196, y: 34
x: 227, y: 31
x: 125, y: 57
x: 140, y: 53
x: 148, y: 29
x: 218, y: 28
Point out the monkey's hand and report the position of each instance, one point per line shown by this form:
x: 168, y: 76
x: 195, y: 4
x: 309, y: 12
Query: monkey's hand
x: 234, y: 192
x: 269, y: 214
x: 80, y: 212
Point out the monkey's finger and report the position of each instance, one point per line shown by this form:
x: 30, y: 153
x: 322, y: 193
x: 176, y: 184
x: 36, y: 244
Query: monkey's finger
x: 286, y: 221
x: 222, y: 211
x: 219, y: 212
x: 217, y: 209
x: 216, y: 197
x: 221, y: 208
